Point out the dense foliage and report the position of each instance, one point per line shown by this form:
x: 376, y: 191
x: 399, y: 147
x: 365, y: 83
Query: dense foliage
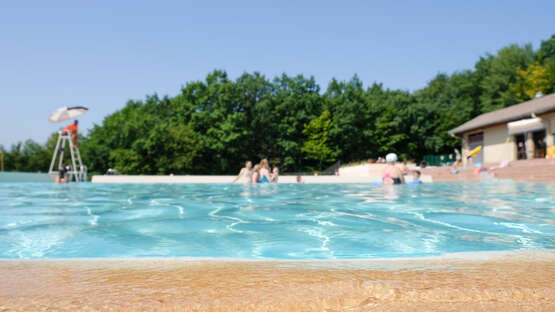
x: 214, y: 125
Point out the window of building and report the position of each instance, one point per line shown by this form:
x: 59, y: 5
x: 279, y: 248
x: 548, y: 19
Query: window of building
x: 476, y: 137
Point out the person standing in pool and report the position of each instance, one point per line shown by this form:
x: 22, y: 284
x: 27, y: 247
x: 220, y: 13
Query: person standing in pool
x: 62, y: 171
x: 404, y: 168
x: 245, y: 174
x: 392, y: 173
x: 255, y: 178
x: 265, y: 176
x: 275, y: 175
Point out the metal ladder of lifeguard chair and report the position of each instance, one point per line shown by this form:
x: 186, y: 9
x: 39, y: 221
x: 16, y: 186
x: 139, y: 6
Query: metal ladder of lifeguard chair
x: 79, y: 175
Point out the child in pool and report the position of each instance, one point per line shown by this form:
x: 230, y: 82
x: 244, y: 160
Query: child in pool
x: 256, y: 174
x: 275, y: 175
x: 415, y: 177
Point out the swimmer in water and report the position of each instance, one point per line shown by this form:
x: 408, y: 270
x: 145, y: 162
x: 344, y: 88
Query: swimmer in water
x: 275, y: 175
x: 392, y: 173
x: 255, y: 178
x: 264, y: 174
x: 415, y: 177
x: 246, y: 173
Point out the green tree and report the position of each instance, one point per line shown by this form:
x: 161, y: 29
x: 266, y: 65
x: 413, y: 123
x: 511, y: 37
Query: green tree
x: 213, y: 125
x: 536, y: 78
x: 316, y: 147
x: 446, y: 102
x: 172, y: 148
x: 497, y: 73
x: 546, y: 52
x: 295, y: 102
x: 351, y: 131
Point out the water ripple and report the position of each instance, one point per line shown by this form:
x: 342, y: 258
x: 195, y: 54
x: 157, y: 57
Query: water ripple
x: 283, y: 221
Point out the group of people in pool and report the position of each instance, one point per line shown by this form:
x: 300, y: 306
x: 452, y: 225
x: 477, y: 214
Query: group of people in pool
x: 259, y: 174
x: 394, y: 174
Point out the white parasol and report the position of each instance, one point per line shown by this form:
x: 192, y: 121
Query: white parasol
x: 66, y: 113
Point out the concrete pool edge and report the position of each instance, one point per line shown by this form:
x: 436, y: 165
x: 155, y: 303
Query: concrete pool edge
x: 308, y: 179
x: 466, y: 256
x: 495, y: 281
x: 201, y: 179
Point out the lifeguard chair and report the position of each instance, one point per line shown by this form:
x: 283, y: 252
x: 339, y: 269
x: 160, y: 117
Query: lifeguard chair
x: 78, y: 171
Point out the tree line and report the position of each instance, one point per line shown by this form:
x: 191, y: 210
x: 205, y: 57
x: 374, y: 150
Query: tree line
x: 213, y: 126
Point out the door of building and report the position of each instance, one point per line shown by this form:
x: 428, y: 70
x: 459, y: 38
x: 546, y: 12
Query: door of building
x: 540, y: 145
x: 520, y: 146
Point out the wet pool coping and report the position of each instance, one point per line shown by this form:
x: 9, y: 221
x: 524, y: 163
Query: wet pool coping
x: 493, y: 281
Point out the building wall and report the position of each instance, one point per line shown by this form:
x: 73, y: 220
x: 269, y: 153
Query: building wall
x: 498, y: 145
x: 464, y: 149
x: 549, y: 121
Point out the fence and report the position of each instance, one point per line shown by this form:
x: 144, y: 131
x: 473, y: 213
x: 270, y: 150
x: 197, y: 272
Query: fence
x: 440, y: 160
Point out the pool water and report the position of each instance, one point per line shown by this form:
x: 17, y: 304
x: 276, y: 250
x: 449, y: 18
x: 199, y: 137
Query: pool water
x: 273, y: 221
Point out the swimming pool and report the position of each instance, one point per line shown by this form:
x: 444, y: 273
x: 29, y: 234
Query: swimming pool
x: 272, y: 221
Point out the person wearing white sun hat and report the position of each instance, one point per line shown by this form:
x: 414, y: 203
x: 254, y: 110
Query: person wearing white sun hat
x: 392, y: 173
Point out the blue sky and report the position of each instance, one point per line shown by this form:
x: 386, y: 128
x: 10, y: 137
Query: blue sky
x: 99, y: 54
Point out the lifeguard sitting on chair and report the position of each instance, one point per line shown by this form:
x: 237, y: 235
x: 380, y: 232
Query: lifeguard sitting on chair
x: 72, y: 129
